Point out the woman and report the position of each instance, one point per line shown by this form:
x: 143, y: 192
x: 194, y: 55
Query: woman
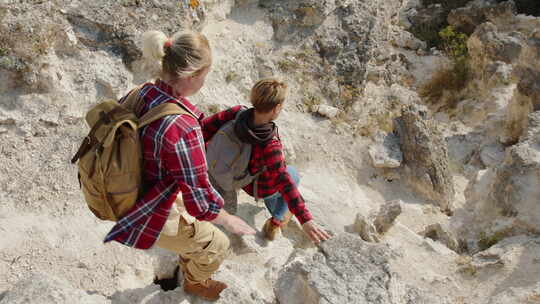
x: 174, y: 163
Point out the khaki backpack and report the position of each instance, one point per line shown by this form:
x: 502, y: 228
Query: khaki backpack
x: 110, y: 157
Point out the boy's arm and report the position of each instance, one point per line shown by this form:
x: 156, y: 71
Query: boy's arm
x: 211, y: 124
x: 277, y: 169
x: 289, y: 191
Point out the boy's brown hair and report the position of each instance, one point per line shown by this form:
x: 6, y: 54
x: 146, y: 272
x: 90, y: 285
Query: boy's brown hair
x: 268, y: 93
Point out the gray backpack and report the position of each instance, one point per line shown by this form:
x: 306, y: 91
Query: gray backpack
x: 228, y: 160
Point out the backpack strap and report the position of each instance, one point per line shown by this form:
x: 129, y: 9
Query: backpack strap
x: 162, y: 110
x: 133, y: 100
x: 135, y: 103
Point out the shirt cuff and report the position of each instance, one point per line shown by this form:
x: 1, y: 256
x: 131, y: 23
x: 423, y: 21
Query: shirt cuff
x: 211, y: 214
x: 304, y: 217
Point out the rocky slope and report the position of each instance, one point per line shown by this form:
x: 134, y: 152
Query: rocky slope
x: 425, y: 207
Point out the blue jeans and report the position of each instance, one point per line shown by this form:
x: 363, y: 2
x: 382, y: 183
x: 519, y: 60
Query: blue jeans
x: 275, y: 203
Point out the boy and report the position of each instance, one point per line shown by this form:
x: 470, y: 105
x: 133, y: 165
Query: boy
x: 277, y: 182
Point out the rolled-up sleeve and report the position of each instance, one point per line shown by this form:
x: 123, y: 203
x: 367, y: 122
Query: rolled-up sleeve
x: 186, y: 163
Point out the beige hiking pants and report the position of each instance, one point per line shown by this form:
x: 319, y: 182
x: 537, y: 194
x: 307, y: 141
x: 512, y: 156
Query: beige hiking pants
x: 201, y: 245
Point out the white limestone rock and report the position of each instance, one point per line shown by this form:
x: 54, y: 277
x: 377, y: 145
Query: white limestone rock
x: 327, y: 111
x: 46, y: 289
x: 386, y: 153
x: 348, y: 270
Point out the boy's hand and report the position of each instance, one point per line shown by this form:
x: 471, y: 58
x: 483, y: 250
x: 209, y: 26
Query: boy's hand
x: 315, y: 233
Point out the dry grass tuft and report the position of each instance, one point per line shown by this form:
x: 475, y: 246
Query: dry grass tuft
x: 445, y: 85
x: 447, y: 82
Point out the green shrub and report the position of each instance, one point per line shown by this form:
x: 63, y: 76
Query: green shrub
x: 452, y: 78
x: 4, y: 51
x: 429, y: 32
x: 455, y: 47
x: 485, y: 241
x: 454, y: 43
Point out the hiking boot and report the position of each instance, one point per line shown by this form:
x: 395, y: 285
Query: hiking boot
x: 208, y: 290
x: 270, y: 229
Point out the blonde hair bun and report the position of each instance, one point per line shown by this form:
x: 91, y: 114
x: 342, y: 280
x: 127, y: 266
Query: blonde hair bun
x: 153, y: 45
x: 185, y: 54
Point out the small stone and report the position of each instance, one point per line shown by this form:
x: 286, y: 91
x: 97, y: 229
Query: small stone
x: 366, y: 229
x: 327, y: 111
x: 443, y: 234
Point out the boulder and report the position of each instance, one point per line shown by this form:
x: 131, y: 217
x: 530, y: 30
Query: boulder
x: 425, y: 157
x: 507, y: 253
x: 505, y: 51
x: 488, y: 42
x: 529, y: 82
x: 463, y: 146
x: 502, y: 201
x: 466, y: 19
x: 348, y: 270
x: 292, y: 17
x: 371, y: 228
x: 387, y: 215
x: 516, y: 188
x: 408, y: 11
